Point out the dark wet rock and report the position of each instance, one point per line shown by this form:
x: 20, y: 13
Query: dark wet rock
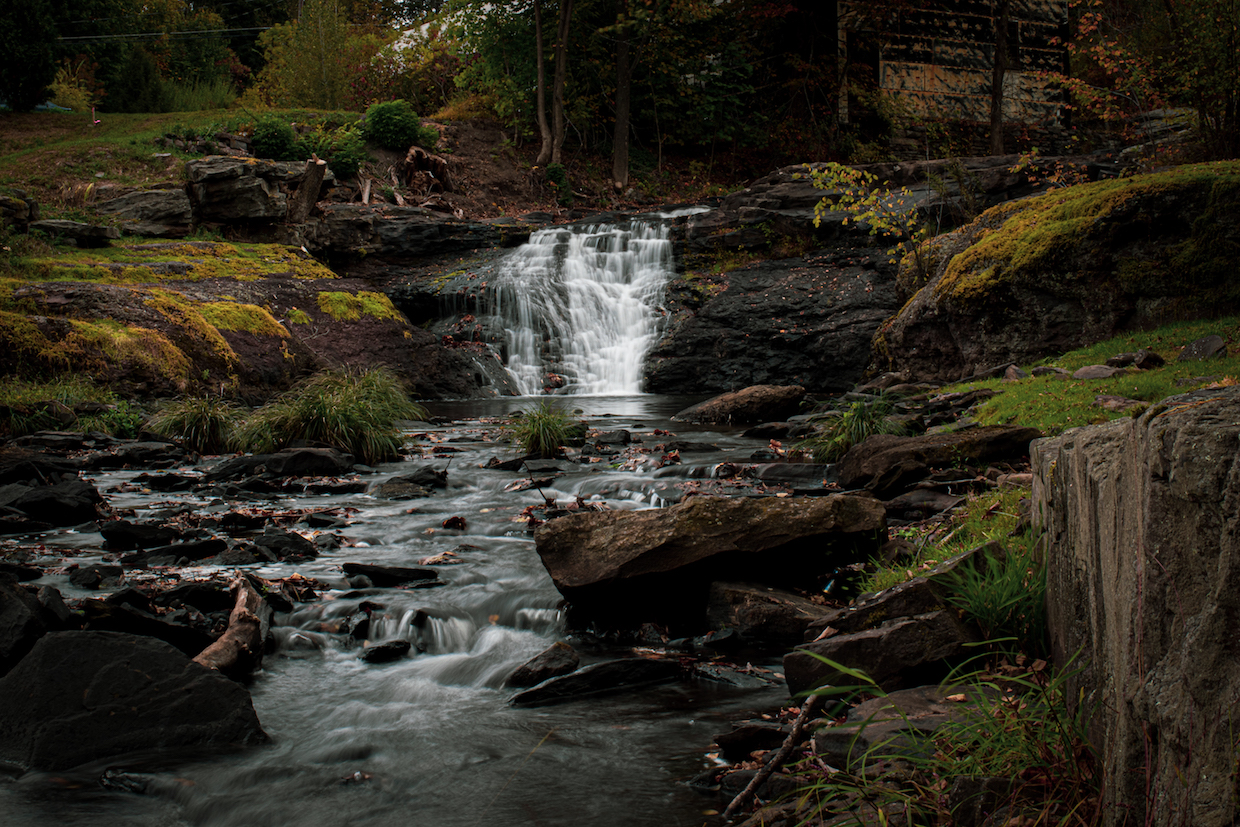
x: 1140, y: 359
x: 921, y: 503
x: 617, y: 437
x: 64, y: 503
x: 285, y: 545
x: 760, y: 612
x: 722, y: 673
x: 206, y: 597
x: 796, y: 473
x: 104, y: 616
x: 171, y: 554
x: 54, y: 607
x: 399, y: 488
x: 515, y: 465
x: 903, y: 650
x: 387, y: 651
x: 748, y: 736
x: 36, y: 470
x: 294, y: 462
x: 122, y: 535
x: 687, y: 447
x: 167, y: 482
x: 325, y: 519
x: 1207, y: 347
x: 603, y: 678
x: 15, y: 522
x: 97, y: 577
x: 22, y: 622
x: 558, y: 659
x: 353, y: 229
x: 887, y: 465
x: 777, y: 784
x: 1090, y: 372
x: 84, y: 696
x: 628, y: 567
x: 389, y: 576
x: 768, y: 430
x: 19, y: 572
x: 1014, y: 374
x: 758, y: 403
x: 975, y: 801
x: 132, y: 598
x: 136, y: 455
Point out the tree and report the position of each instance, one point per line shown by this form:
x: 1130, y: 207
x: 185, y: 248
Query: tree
x: 544, y: 130
x: 1000, y: 16
x: 557, y: 89
x: 28, y: 32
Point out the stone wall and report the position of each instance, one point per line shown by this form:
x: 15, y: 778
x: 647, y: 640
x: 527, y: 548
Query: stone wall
x: 1142, y: 522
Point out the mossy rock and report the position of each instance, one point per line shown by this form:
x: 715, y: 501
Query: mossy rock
x: 1045, y: 275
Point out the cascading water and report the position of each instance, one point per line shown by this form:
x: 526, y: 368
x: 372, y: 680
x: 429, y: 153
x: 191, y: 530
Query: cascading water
x: 580, y: 306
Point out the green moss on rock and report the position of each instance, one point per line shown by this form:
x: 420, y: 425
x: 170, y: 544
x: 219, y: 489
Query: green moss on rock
x: 349, y: 307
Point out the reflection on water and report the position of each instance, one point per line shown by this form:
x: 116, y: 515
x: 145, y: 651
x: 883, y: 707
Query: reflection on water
x: 430, y: 740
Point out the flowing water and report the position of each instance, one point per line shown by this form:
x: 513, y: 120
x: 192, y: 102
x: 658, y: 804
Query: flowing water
x: 432, y: 735
x: 580, y: 305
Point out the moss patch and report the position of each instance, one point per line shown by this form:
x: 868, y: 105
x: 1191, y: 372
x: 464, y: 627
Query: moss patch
x: 1067, y: 234
x: 296, y: 316
x: 347, y: 307
x: 176, y: 261
x: 186, y: 316
x: 249, y: 318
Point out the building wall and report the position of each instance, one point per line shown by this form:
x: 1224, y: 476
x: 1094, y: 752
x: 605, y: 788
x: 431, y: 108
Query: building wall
x: 937, y: 58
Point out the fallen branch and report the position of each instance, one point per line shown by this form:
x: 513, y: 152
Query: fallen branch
x: 777, y: 760
x: 239, y: 650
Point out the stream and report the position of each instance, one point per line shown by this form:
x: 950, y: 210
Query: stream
x: 430, y: 739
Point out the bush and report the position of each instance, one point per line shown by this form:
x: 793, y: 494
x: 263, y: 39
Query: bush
x: 557, y: 177
x: 274, y: 138
x: 205, y: 424
x: 842, y: 429
x: 394, y: 125
x: 355, y: 411
x: 342, y: 148
x: 542, y: 430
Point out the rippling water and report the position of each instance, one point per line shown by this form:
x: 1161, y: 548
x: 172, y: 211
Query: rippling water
x: 433, y: 734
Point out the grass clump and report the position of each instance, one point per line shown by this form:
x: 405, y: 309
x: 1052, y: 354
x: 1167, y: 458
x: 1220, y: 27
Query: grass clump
x: 353, y: 410
x: 1005, y: 594
x: 69, y: 402
x: 206, y: 424
x: 542, y: 430
x: 841, y: 429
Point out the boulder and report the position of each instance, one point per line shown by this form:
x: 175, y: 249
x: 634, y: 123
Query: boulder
x: 293, y: 462
x: 286, y: 545
x: 389, y: 576
x: 901, y: 651
x: 122, y: 535
x: 629, y: 567
x: 558, y: 659
x: 97, y: 577
x: 748, y: 406
x: 1090, y: 372
x: 85, y: 696
x: 386, y: 652
x: 109, y: 616
x: 168, y: 555
x: 234, y: 190
x: 165, y: 213
x: 761, y: 613
x: 64, y: 503
x: 603, y: 678
x: 22, y: 622
x: 1140, y: 518
x: 748, y: 736
x: 887, y: 464
x: 135, y: 455
x: 1207, y: 347
x: 80, y: 233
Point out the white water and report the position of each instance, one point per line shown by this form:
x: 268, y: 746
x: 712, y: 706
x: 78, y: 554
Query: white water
x: 582, y: 303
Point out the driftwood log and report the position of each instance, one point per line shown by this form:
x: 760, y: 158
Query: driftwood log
x: 239, y: 650
x: 808, y: 710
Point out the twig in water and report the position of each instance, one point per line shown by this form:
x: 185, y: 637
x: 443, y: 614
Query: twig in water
x: 777, y: 760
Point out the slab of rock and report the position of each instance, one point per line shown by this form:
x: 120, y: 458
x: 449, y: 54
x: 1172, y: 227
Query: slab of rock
x: 85, y: 696
x: 286, y: 545
x: 603, y: 678
x: 163, y: 213
x: 107, y: 616
x: 294, y: 462
x: 81, y: 233
x: 386, y: 652
x: 748, y: 406
x: 136, y: 455
x: 749, y: 736
x: 887, y: 464
x: 558, y: 659
x: 1098, y: 372
x: 122, y: 535
x: 629, y: 567
x: 389, y: 576
x: 1119, y: 404
x: 1141, y: 359
x: 1207, y: 347
x: 66, y: 502
x: 901, y: 651
x: 170, y: 554
x: 97, y: 577
x: 761, y: 612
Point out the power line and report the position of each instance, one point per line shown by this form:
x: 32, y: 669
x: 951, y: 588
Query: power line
x: 197, y: 34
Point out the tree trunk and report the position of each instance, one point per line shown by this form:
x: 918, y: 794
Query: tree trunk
x: 239, y: 650
x: 624, y: 82
x: 544, y: 130
x: 557, y: 90
x: 996, y: 78
x: 307, y: 195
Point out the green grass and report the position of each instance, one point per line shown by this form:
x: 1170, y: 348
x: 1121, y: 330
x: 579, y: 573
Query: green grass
x: 542, y: 430
x: 839, y: 430
x: 206, y: 424
x: 24, y: 408
x: 353, y: 410
x: 348, y: 307
x: 1053, y: 404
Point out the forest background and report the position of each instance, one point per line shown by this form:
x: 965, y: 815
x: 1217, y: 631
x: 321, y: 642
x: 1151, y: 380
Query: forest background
x: 628, y: 80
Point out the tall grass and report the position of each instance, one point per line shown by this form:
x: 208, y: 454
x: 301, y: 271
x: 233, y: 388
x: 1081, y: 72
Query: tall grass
x: 206, y: 424
x: 354, y: 410
x: 839, y: 430
x: 542, y: 430
x: 27, y: 406
x: 219, y: 93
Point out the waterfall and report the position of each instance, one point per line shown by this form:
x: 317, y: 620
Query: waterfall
x: 580, y: 306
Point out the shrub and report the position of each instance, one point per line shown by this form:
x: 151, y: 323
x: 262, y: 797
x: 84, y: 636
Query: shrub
x: 343, y: 149
x: 274, y: 138
x: 205, y: 424
x: 542, y: 430
x: 840, y: 430
x: 557, y: 177
x: 394, y: 125
x: 353, y: 410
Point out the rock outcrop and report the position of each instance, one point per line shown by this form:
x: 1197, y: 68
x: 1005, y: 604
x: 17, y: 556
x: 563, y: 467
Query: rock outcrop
x: 1141, y: 523
x: 758, y: 403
